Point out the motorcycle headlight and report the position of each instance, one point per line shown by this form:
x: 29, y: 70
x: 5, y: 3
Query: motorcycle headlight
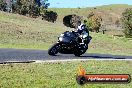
x: 60, y: 38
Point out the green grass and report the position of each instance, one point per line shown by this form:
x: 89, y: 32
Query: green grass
x: 60, y: 74
x: 108, y: 44
x: 19, y: 31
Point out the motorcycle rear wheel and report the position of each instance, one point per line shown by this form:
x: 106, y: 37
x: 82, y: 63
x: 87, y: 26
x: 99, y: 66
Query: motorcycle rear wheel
x: 78, y: 52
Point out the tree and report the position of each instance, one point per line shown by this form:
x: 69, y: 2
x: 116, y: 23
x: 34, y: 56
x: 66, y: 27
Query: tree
x: 71, y: 20
x: 127, y: 22
x: 24, y: 10
x: 3, y: 5
x: 33, y: 8
x: 34, y: 11
x: 93, y: 22
x: 50, y: 16
x: 16, y: 6
x: 38, y: 7
x: 44, y: 3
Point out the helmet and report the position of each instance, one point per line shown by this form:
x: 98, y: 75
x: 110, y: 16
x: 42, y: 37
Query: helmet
x: 81, y: 27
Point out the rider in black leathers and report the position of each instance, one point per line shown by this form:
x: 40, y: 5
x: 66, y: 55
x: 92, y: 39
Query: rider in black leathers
x: 83, y: 32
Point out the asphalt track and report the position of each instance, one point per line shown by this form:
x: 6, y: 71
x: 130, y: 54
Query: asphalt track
x: 25, y: 55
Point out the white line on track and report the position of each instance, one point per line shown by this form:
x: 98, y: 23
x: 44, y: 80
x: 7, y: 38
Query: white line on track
x: 57, y: 61
x: 72, y: 60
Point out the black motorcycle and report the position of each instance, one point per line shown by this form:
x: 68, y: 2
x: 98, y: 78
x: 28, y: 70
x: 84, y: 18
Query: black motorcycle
x: 69, y: 43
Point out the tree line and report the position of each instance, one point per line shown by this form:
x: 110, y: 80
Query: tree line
x: 32, y: 8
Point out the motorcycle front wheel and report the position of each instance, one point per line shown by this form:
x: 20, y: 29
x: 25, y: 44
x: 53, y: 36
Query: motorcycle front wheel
x: 54, y: 49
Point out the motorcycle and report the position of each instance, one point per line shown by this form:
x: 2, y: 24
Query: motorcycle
x: 69, y: 43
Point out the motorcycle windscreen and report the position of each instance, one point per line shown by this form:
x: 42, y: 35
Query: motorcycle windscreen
x: 67, y: 37
x: 69, y: 34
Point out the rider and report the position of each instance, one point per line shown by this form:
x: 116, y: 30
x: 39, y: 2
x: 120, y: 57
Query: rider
x: 83, y: 32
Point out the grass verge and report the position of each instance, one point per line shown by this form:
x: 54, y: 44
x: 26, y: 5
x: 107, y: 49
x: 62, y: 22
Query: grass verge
x: 60, y: 75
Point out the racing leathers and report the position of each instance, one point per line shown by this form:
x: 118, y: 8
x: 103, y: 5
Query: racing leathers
x: 83, y: 33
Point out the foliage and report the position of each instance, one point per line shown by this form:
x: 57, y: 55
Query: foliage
x: 93, y: 22
x: 49, y: 16
x: 34, y: 11
x: 16, y: 7
x: 71, y: 20
x: 2, y: 5
x: 44, y: 4
x: 127, y: 22
x: 24, y: 7
x: 24, y: 10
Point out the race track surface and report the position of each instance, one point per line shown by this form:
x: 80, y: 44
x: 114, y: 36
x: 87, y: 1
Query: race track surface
x: 32, y: 55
